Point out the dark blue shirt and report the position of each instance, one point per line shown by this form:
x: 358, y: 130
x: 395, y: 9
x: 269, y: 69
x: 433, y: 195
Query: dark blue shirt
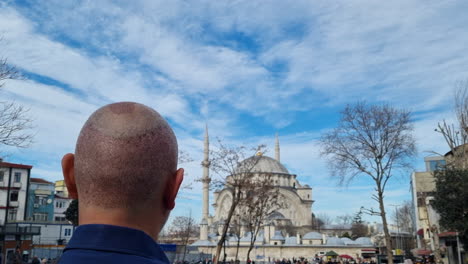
x: 108, y: 244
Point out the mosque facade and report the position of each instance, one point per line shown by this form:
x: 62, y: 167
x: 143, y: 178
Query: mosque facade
x: 274, y: 241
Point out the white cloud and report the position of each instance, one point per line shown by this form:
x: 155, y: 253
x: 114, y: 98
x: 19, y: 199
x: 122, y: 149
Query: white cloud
x: 188, y: 61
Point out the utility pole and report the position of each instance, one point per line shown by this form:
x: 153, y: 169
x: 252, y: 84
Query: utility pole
x: 459, y: 250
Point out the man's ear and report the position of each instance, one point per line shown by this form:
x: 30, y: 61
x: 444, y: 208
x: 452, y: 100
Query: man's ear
x: 68, y: 169
x: 172, y: 188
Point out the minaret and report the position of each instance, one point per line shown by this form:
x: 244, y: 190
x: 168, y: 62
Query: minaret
x: 206, y: 177
x: 277, y: 148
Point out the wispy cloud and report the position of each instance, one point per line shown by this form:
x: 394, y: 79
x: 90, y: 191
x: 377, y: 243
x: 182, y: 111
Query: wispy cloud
x: 247, y: 68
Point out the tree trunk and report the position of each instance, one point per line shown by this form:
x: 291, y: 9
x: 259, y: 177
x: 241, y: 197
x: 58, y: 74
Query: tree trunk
x: 237, y: 248
x: 248, y: 253
x: 253, y: 239
x: 219, y: 246
x: 388, y: 238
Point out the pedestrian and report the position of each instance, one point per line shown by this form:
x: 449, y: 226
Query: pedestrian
x: 35, y: 260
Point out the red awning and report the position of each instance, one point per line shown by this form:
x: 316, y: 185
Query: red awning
x: 368, y: 250
x: 423, y: 252
x: 420, y: 232
x: 346, y: 256
x: 448, y: 234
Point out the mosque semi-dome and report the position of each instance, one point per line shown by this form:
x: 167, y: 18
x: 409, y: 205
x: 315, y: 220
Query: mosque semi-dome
x: 364, y: 241
x: 264, y: 164
x: 313, y: 235
x: 335, y: 241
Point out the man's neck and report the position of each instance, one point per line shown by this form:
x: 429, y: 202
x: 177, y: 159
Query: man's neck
x: 145, y: 220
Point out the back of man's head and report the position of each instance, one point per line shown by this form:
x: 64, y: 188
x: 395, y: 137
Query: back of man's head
x: 126, y: 155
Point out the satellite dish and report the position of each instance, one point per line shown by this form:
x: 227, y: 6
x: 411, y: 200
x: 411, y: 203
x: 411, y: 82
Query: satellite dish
x: 49, y: 201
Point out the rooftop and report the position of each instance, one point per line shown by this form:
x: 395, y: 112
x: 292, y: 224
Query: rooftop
x: 39, y: 180
x: 15, y: 165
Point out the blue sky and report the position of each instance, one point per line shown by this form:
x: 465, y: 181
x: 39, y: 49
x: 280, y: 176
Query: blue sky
x: 248, y: 69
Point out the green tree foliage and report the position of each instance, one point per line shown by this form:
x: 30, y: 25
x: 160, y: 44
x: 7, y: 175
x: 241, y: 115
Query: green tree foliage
x: 71, y: 214
x: 451, y: 201
x: 346, y: 234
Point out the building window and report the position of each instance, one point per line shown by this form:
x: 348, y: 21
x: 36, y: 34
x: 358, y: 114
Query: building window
x: 12, y: 215
x: 17, y: 176
x: 2, y: 173
x: 60, y: 219
x: 436, y: 165
x: 67, y: 232
x: 40, y: 200
x: 40, y: 217
x: 14, y: 196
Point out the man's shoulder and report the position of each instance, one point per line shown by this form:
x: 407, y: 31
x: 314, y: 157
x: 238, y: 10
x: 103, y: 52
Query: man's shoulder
x: 112, y: 244
x: 79, y: 256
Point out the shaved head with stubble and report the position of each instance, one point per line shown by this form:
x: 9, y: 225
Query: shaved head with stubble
x: 124, y: 170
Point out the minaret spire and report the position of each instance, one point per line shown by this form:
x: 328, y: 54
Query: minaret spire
x: 277, y: 148
x: 206, y: 174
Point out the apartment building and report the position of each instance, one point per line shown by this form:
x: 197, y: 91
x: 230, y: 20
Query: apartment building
x: 14, y: 184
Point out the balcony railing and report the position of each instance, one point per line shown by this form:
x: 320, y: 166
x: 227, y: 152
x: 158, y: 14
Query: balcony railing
x: 20, y: 230
x: 16, y: 184
x: 14, y: 203
x: 40, y: 240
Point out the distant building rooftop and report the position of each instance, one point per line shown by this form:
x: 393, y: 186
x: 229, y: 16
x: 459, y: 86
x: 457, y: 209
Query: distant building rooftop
x: 15, y: 165
x: 39, y: 180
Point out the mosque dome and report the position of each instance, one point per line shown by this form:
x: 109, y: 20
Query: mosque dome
x: 364, y: 241
x: 335, y: 241
x: 260, y: 163
x: 312, y: 235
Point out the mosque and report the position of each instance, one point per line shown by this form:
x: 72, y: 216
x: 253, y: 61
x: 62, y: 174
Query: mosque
x: 274, y: 241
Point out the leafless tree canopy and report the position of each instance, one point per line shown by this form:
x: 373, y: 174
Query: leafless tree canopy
x: 456, y: 135
x: 183, y: 228
x: 345, y: 219
x: 324, y: 219
x: 261, y: 199
x: 359, y: 230
x: 370, y: 140
x: 14, y: 125
x: 233, y: 168
x: 14, y: 120
x: 403, y: 217
x: 7, y: 71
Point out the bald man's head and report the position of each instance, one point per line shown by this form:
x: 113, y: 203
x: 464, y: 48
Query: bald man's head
x: 124, y: 155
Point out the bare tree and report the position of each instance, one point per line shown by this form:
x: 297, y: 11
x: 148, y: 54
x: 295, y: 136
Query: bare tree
x: 262, y: 199
x: 372, y: 141
x: 183, y: 227
x: 182, y: 158
x: 456, y: 135
x: 325, y: 219
x: 403, y: 216
x: 448, y: 179
x: 345, y: 219
x: 287, y: 227
x: 358, y: 228
x: 14, y: 120
x: 8, y: 71
x: 236, y: 227
x: 234, y: 170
